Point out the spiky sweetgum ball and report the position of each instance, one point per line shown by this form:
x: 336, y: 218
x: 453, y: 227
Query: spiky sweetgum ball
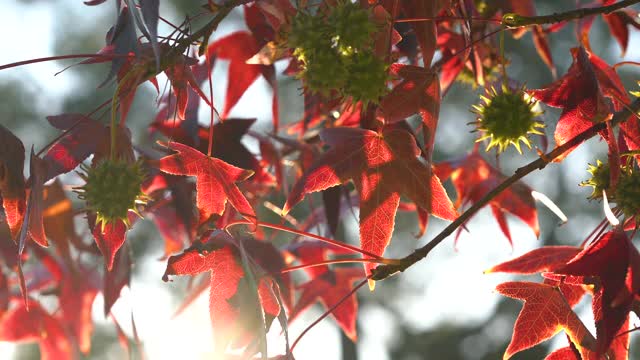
x: 367, y: 77
x: 627, y: 195
x: 112, y: 188
x: 335, y: 50
x: 506, y: 118
x: 600, y: 179
x: 352, y: 28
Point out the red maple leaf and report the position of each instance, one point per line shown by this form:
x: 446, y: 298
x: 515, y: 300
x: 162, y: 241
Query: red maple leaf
x: 116, y: 278
x: 34, y: 218
x: 565, y: 353
x: 227, y: 142
x: 544, y: 314
x: 79, y: 141
x: 111, y: 237
x: 527, y: 8
x: 237, y: 307
x: 215, y: 180
x: 425, y: 30
x: 581, y: 96
x: 545, y: 258
x: 382, y: 166
x: 33, y: 323
x: 614, y: 260
x: 239, y: 47
x: 417, y: 92
x: 329, y: 288
x: 12, y: 187
x: 473, y: 177
x: 618, y: 23
x: 58, y: 221
x: 183, y: 82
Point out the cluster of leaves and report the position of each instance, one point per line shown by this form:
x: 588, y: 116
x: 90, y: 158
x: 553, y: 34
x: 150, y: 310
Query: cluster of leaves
x: 203, y: 188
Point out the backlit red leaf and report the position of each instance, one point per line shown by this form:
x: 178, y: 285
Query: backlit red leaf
x: 111, y: 238
x: 473, y: 177
x: 545, y: 258
x: 117, y: 278
x: 329, y: 288
x: 544, y: 314
x: 22, y: 324
x: 613, y: 259
x: 231, y: 299
x: 580, y: 96
x: 215, y: 180
x: 382, y: 166
x: 239, y: 47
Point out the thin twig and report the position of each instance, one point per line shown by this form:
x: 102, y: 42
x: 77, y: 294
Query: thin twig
x: 515, y: 21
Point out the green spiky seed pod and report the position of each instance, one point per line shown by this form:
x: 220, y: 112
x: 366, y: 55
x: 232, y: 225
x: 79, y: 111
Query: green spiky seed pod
x: 352, y: 28
x: 506, y: 118
x: 307, y: 35
x: 367, y: 78
x: 324, y: 72
x: 600, y: 180
x: 335, y: 50
x: 627, y: 195
x: 112, y: 188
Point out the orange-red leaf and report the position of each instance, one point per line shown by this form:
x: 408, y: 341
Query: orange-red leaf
x: 614, y: 260
x: 544, y: 314
x: 215, y: 180
x: 565, y: 353
x: 545, y: 258
x: 383, y: 166
x: 579, y: 94
x: 329, y: 288
x: 473, y: 177
x: 35, y: 324
x: 232, y: 301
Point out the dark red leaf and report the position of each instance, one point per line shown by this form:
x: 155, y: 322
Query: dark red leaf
x: 38, y: 170
x: 12, y: 186
x: 425, y: 30
x: 117, y: 278
x: 77, y: 144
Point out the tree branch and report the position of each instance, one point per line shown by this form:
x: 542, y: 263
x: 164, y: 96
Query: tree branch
x: 384, y: 271
x: 514, y: 20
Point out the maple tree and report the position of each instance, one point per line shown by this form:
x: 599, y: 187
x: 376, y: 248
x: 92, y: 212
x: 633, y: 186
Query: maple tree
x: 372, y: 78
